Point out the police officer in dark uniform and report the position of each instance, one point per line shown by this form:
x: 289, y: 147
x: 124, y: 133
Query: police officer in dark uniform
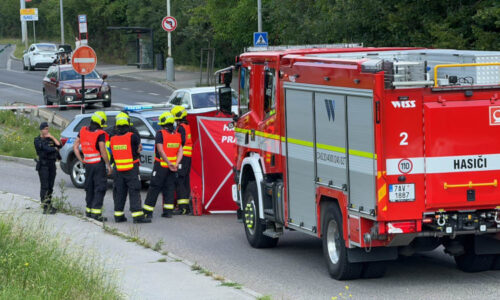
x: 47, y: 148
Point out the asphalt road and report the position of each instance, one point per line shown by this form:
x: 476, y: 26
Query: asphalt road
x: 293, y: 270
x: 17, y: 85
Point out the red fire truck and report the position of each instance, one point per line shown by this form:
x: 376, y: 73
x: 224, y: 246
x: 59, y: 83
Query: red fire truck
x: 379, y: 152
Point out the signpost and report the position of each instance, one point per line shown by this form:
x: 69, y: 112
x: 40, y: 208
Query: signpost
x: 30, y: 14
x: 260, y: 39
x: 169, y: 24
x: 84, y: 61
x: 82, y: 29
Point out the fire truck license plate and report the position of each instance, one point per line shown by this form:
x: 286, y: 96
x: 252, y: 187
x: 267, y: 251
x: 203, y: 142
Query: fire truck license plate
x: 401, y: 192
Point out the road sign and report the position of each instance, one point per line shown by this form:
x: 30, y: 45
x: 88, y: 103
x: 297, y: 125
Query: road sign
x: 169, y: 24
x: 29, y: 14
x: 84, y: 60
x: 260, y: 39
x: 82, y: 18
x: 82, y: 23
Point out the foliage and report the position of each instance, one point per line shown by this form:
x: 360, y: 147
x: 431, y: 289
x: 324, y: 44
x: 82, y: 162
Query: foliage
x: 36, y: 266
x: 17, y: 134
x: 228, y: 25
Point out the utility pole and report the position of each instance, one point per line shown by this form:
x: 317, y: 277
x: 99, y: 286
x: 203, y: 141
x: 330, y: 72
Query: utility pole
x: 169, y: 66
x: 259, y: 15
x: 169, y: 35
x: 24, y: 27
x: 62, y: 20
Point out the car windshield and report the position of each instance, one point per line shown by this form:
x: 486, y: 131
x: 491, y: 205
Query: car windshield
x: 208, y: 99
x: 46, y: 47
x: 154, y: 123
x: 72, y: 75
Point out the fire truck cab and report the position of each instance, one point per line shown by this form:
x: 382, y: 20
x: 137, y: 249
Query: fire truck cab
x: 379, y: 152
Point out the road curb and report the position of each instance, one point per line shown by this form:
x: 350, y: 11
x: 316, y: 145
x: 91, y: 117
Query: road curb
x: 24, y: 161
x: 12, y: 53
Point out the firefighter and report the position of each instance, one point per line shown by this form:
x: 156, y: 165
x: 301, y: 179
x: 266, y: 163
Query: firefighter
x: 47, y: 148
x: 183, y: 187
x: 61, y: 57
x: 124, y: 144
x: 168, y: 154
x: 93, y: 141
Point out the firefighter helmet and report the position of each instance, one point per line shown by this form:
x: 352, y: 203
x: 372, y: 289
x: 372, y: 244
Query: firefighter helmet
x: 166, y: 118
x: 100, y: 118
x: 179, y: 112
x: 122, y: 119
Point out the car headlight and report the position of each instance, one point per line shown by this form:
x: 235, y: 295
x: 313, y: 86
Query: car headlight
x: 105, y: 88
x: 69, y: 91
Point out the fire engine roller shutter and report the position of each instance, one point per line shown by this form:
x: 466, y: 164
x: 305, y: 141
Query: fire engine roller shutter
x: 362, y: 160
x: 331, y: 158
x: 300, y: 153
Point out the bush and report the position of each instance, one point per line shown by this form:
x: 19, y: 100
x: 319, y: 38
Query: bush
x: 34, y: 265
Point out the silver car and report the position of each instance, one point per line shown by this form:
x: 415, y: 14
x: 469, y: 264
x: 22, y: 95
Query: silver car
x: 146, y: 123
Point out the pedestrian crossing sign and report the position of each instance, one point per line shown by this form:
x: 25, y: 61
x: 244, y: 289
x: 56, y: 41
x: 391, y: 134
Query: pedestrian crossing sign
x: 260, y: 39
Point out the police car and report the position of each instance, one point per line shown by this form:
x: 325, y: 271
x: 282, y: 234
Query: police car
x: 146, y: 123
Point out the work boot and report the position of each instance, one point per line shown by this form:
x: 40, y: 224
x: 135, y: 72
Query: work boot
x: 141, y: 219
x: 120, y: 219
x: 99, y: 217
x: 148, y: 214
x: 177, y: 211
x: 88, y: 215
x: 167, y: 214
x: 49, y: 209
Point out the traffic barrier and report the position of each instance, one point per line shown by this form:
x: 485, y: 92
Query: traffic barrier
x: 15, y: 107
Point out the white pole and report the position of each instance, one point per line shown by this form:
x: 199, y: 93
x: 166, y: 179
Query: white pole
x: 169, y: 36
x: 259, y: 15
x: 24, y: 27
x: 62, y: 20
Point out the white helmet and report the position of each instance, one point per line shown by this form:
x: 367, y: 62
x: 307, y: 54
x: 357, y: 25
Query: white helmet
x: 61, y: 50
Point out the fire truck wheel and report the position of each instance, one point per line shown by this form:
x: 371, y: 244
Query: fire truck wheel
x: 334, y: 248
x: 471, y: 262
x: 254, y: 228
x: 374, y: 269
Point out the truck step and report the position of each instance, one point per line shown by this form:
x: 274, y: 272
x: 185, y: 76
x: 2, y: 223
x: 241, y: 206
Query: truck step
x: 269, y: 211
x: 272, y: 234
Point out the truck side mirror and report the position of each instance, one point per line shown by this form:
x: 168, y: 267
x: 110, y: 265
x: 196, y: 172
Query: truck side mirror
x: 225, y: 99
x: 226, y: 77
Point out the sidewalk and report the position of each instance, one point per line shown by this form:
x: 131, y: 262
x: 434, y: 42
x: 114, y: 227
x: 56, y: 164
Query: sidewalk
x: 140, y: 272
x: 183, y: 79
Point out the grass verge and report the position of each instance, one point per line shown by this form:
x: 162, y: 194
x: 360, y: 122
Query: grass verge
x: 17, y: 133
x: 35, y: 266
x: 18, y: 53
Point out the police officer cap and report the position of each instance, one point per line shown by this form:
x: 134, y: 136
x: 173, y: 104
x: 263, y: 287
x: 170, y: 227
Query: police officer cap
x: 44, y: 125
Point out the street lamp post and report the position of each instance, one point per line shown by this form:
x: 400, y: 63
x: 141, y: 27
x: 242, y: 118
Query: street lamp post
x: 259, y: 15
x: 24, y: 27
x: 62, y: 20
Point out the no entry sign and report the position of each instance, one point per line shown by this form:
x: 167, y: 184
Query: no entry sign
x: 169, y: 24
x: 84, y: 60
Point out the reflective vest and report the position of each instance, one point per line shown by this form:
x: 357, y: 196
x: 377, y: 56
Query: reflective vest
x: 121, y: 147
x: 187, y: 149
x: 88, y: 140
x: 171, y: 144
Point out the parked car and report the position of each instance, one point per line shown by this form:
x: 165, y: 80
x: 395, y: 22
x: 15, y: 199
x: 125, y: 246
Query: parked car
x: 40, y: 55
x: 199, y: 99
x: 63, y: 85
x: 146, y: 123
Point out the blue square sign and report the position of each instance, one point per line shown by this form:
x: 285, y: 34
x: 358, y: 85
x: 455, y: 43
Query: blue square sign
x: 260, y: 39
x: 82, y: 18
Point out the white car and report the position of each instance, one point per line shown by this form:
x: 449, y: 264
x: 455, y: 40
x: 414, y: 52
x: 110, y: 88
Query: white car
x: 199, y: 100
x: 41, y: 55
